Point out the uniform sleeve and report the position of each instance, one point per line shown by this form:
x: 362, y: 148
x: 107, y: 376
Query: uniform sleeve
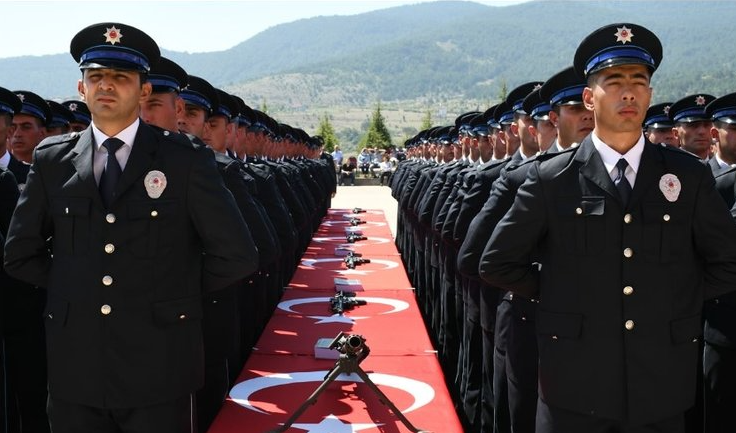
x: 714, y: 234
x: 507, y: 259
x: 229, y: 251
x: 27, y: 256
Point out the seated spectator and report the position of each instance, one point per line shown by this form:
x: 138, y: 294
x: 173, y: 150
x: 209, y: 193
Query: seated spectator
x: 364, y: 161
x: 375, y: 162
x: 386, y: 169
x: 348, y: 171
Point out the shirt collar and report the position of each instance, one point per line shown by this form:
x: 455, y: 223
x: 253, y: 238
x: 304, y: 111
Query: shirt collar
x: 610, y: 157
x: 721, y: 163
x: 127, y: 135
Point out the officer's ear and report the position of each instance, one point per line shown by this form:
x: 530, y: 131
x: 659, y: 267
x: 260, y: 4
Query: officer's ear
x: 146, y: 90
x: 714, y: 134
x: 80, y: 89
x: 588, y: 98
x: 676, y: 133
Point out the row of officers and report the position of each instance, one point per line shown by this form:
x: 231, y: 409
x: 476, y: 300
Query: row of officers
x: 561, y: 259
x: 150, y: 228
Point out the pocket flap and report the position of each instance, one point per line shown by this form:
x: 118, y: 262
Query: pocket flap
x: 582, y: 206
x: 567, y: 325
x: 56, y: 311
x: 151, y: 209
x: 686, y: 330
x: 70, y: 206
x: 178, y: 310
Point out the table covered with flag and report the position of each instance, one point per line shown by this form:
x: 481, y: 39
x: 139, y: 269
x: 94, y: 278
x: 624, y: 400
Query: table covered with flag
x: 283, y: 372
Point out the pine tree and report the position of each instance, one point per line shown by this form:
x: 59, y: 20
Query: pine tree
x: 503, y: 92
x: 426, y: 121
x: 327, y: 132
x: 264, y: 107
x: 377, y: 135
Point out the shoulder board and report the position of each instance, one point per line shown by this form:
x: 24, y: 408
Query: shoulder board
x: 677, y: 150
x: 724, y: 172
x: 71, y: 137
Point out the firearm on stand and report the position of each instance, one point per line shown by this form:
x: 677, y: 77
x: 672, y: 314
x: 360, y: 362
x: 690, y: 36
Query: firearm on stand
x: 344, y: 301
x: 353, y: 259
x: 358, y: 210
x: 356, y: 221
x: 353, y: 237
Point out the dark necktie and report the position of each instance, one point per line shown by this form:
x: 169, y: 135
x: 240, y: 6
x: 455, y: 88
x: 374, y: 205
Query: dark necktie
x: 112, y: 171
x: 622, y: 184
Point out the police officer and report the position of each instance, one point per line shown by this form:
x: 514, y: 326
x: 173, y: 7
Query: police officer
x: 29, y: 128
x: 125, y: 294
x: 82, y: 117
x: 722, y: 132
x: 618, y: 228
x: 658, y: 125
x: 60, y: 120
x: 692, y: 125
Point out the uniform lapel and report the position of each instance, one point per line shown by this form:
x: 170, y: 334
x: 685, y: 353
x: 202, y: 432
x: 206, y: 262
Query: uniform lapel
x: 651, y: 169
x: 83, y: 162
x: 140, y: 160
x: 592, y: 167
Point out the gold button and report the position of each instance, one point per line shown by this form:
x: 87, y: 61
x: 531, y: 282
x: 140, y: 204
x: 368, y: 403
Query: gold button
x: 579, y: 211
x: 629, y: 325
x: 107, y: 280
x: 627, y: 218
x: 154, y: 213
x: 109, y: 248
x: 628, y: 290
x: 166, y: 133
x: 50, y: 315
x: 182, y: 316
x: 666, y: 217
x: 628, y: 252
x: 106, y: 309
x: 554, y: 337
x: 66, y: 210
x: 110, y: 218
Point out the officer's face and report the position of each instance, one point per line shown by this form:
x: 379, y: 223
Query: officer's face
x: 77, y: 127
x: 192, y: 120
x: 574, y: 123
x: 725, y: 135
x: 663, y: 135
x: 545, y: 133
x: 695, y: 137
x: 28, y: 133
x: 113, y: 96
x: 216, y: 132
x: 162, y: 110
x: 619, y: 97
x: 6, y: 131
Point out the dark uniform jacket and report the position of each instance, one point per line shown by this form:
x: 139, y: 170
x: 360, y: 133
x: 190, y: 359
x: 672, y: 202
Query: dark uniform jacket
x: 125, y: 283
x: 621, y: 289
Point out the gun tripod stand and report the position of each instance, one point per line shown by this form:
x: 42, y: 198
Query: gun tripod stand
x: 352, y: 353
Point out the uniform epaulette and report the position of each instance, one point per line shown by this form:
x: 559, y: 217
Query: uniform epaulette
x: 58, y: 139
x: 680, y: 151
x: 724, y: 172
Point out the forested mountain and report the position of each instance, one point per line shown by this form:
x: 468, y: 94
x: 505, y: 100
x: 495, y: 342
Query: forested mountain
x: 455, y: 54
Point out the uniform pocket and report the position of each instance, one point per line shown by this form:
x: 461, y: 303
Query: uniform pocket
x: 56, y: 311
x: 686, y: 330
x: 71, y: 224
x: 559, y: 325
x: 177, y: 310
x: 583, y: 224
x: 146, y: 220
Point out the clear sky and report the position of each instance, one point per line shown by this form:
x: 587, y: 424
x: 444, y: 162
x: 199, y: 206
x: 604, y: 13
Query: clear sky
x: 47, y: 27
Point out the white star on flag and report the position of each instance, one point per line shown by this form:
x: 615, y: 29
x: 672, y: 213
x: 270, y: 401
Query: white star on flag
x: 352, y: 272
x: 335, y: 318
x: 332, y: 424
x: 623, y: 35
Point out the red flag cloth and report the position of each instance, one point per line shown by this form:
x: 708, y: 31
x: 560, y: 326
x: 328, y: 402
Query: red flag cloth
x: 319, y: 272
x: 390, y: 318
x: 272, y: 387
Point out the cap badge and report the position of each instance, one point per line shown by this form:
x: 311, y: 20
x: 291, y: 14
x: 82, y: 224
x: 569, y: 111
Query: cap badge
x: 700, y: 100
x: 113, y: 35
x: 72, y: 107
x: 623, y: 35
x: 536, y: 87
x: 21, y: 96
x: 666, y: 110
x: 670, y: 186
x: 155, y: 183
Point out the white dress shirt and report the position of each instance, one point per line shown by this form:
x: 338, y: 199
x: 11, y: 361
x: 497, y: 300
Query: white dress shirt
x: 127, y: 135
x: 610, y: 157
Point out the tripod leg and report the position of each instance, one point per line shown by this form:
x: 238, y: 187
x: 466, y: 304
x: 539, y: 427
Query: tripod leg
x: 312, y: 399
x: 367, y: 380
